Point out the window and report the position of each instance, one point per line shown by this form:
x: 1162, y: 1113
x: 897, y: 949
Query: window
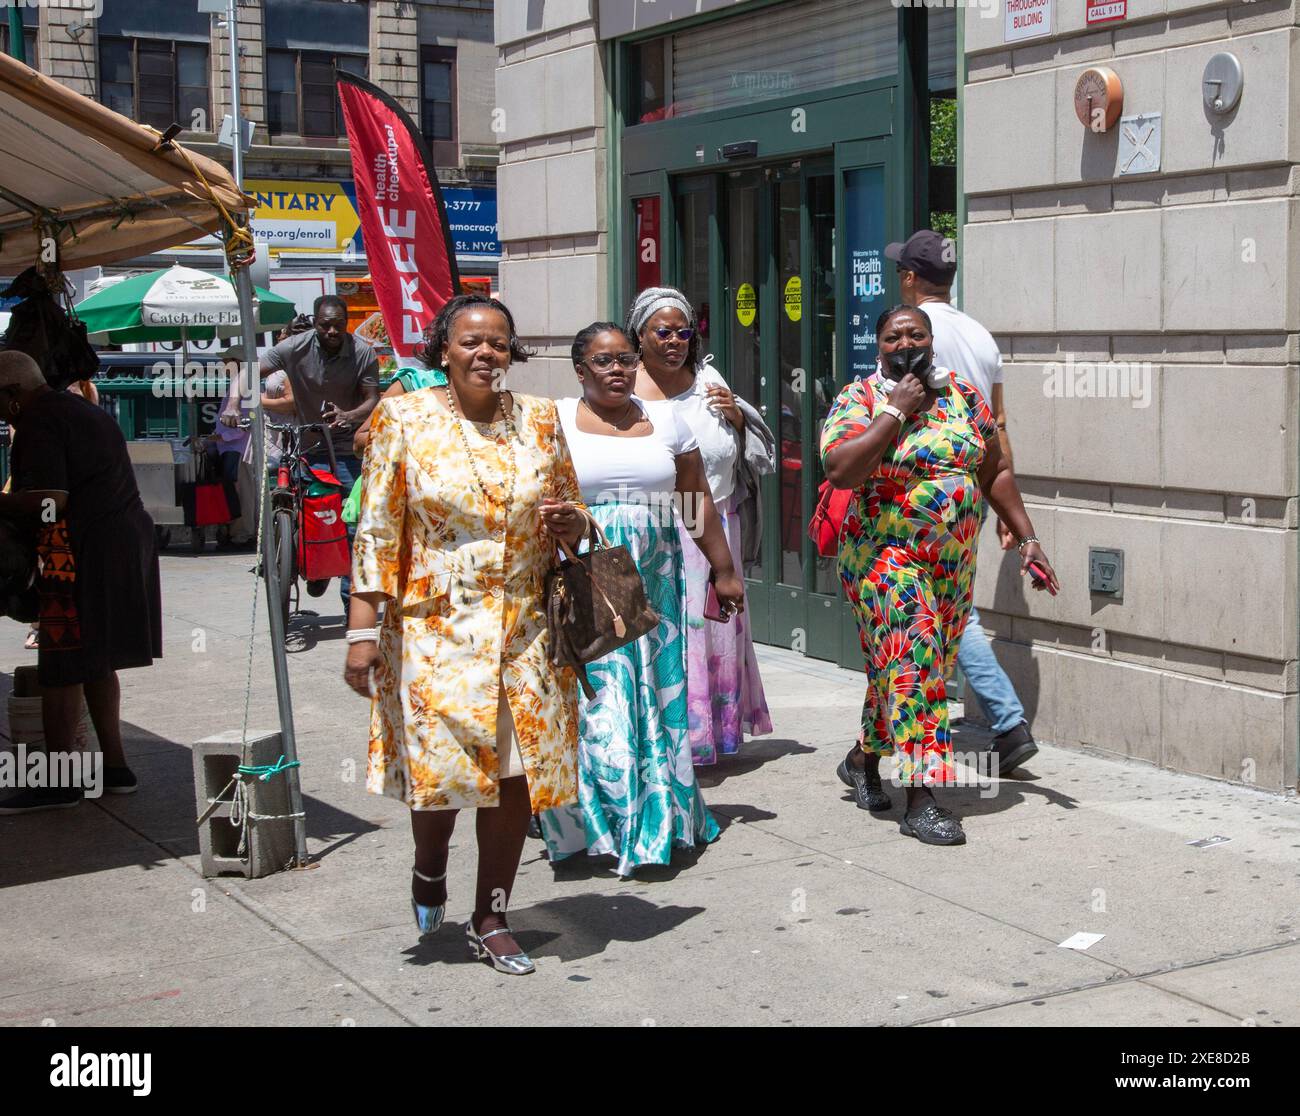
x: 30, y: 19
x: 154, y: 81
x: 438, y: 93
x: 301, y: 96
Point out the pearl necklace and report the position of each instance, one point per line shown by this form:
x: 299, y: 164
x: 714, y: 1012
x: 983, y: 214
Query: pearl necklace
x: 469, y: 453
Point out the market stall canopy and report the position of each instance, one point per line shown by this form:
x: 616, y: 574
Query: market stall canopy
x: 177, y: 301
x: 99, y: 175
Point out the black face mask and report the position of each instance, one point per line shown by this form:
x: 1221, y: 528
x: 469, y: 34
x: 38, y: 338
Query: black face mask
x: 902, y: 361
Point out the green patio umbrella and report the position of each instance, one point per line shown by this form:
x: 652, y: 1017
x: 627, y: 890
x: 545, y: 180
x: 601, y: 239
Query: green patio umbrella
x: 175, y: 304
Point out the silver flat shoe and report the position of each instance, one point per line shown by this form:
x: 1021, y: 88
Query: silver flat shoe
x: 428, y: 919
x: 516, y: 964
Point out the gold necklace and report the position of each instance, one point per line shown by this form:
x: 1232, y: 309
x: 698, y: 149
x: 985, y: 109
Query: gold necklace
x: 469, y: 453
x: 626, y: 411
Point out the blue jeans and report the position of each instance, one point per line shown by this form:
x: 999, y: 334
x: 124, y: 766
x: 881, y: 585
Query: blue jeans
x: 996, y: 694
x: 349, y: 468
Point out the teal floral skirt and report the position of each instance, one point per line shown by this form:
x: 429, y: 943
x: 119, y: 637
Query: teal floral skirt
x: 637, y: 795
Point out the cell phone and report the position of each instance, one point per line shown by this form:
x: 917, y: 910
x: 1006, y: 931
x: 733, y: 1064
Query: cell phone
x: 1038, y: 576
x: 713, y: 606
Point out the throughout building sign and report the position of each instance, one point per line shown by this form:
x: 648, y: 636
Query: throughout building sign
x: 1027, y: 19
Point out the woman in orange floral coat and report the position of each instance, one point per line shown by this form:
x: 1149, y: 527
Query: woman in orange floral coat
x: 466, y: 486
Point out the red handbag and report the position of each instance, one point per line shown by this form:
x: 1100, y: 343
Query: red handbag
x: 828, y: 520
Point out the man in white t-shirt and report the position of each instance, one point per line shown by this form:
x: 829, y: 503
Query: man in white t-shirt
x: 927, y: 264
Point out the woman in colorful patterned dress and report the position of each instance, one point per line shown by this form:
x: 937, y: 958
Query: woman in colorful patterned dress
x: 920, y: 445
x: 466, y: 488
x: 637, y: 795
x: 724, y: 689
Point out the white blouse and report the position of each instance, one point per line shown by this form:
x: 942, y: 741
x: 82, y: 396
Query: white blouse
x: 626, y: 470
x: 719, y: 446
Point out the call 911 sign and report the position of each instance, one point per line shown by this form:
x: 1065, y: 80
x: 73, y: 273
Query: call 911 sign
x: 1027, y: 19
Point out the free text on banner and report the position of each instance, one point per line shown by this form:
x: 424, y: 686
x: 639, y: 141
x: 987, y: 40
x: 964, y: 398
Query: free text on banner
x: 403, y: 218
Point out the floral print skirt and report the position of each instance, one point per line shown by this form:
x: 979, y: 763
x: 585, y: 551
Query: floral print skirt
x: 637, y: 795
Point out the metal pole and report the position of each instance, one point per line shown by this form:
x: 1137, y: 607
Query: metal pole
x: 249, y: 381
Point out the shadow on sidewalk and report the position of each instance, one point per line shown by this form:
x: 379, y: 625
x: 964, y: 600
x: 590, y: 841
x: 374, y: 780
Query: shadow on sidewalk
x: 752, y: 755
x: 147, y: 829
x: 570, y: 928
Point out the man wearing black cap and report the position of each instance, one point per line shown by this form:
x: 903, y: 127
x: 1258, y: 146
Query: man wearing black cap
x: 927, y: 264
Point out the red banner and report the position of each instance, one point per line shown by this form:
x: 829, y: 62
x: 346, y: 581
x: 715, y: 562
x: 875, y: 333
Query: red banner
x: 403, y: 219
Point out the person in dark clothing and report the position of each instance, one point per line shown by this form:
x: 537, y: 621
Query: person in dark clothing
x: 99, y: 589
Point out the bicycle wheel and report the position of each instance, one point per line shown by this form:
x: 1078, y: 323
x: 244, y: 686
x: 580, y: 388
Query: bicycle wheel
x: 285, y: 564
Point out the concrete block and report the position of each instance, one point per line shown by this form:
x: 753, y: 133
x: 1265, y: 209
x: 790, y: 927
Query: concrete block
x: 525, y: 288
x: 985, y: 24
x: 1230, y: 267
x: 574, y: 90
x: 1260, y: 15
x: 270, y: 846
x: 574, y: 203
x: 1155, y: 653
x: 1171, y: 503
x: 993, y: 207
x: 983, y: 67
x: 1212, y: 586
x: 1260, y: 674
x: 1033, y: 633
x: 1104, y: 439
x: 1029, y: 420
x: 519, y: 21
x: 523, y: 203
x: 1268, y: 348
x: 1126, y: 247
x: 1257, y: 511
x: 1074, y: 494
x: 1224, y: 731
x: 1058, y: 346
x: 1263, y: 183
x: 1168, y: 348
x: 1253, y: 406
x: 1140, y: 611
x: 1010, y: 114
x: 1109, y: 705
x: 1257, y: 131
x: 1144, y: 192
x: 1176, y: 30
x: 1009, y: 275
x: 1054, y: 203
x: 578, y: 283
x: 517, y: 97
x: 1083, y: 155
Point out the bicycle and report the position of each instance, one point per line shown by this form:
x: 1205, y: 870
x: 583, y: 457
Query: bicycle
x: 293, y: 476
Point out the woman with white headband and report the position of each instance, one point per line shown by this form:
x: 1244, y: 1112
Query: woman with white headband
x: 724, y: 690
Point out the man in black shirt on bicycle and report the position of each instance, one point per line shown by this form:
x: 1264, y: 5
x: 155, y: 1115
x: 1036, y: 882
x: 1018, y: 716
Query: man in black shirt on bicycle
x: 333, y: 378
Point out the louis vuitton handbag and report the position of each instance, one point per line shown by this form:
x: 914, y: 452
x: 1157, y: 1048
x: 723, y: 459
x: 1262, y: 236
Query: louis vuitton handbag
x: 595, y: 603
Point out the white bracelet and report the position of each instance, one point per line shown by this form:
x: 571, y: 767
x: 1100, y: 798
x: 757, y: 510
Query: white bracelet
x: 362, y: 635
x: 890, y: 410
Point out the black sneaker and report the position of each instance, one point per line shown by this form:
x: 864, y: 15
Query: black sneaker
x: 867, y: 792
x: 120, y: 780
x: 317, y: 588
x: 32, y: 799
x: 933, y: 825
x: 1012, y: 748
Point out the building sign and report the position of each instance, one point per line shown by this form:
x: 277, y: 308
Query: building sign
x: 864, y: 211
x: 1106, y: 11
x: 294, y: 216
x: 472, y: 214
x: 1027, y: 19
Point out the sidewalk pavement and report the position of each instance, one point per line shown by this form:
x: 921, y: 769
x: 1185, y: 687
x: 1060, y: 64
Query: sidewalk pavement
x: 805, y: 911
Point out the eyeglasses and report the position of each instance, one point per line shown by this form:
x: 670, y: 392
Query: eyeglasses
x: 663, y: 333
x: 606, y: 360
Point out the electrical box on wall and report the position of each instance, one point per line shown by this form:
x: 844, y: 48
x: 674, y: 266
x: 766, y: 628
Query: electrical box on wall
x: 1105, y: 571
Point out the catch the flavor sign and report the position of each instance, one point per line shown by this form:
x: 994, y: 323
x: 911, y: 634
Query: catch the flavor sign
x: 1027, y: 19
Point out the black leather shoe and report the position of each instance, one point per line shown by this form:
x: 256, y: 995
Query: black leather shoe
x: 932, y: 825
x: 867, y: 792
x: 1013, y: 747
x: 318, y: 587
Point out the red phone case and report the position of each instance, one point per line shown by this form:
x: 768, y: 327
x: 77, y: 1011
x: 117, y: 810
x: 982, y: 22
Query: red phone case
x: 1038, y: 574
x: 713, y: 607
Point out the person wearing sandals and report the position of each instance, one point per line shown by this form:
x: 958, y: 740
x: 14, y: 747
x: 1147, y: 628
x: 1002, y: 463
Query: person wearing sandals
x: 724, y: 689
x: 637, y: 794
x: 919, y: 445
x: 466, y: 488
